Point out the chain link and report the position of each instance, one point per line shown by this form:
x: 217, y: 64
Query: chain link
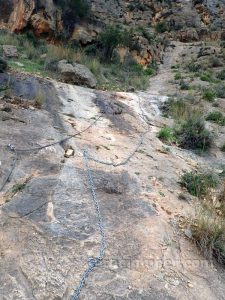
x: 122, y: 163
x: 93, y: 262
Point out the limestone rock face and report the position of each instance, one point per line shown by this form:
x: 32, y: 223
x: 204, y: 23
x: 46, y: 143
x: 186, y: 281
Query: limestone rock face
x: 181, y: 20
x: 76, y: 74
x: 43, y: 16
x: 21, y: 14
x: 46, y: 17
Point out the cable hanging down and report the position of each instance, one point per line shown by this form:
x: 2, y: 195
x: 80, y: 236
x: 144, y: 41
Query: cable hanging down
x: 93, y: 262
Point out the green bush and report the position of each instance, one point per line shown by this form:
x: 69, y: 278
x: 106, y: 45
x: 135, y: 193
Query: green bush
x: 51, y: 64
x: 198, y: 183
x: 109, y: 39
x: 194, y: 67
x: 161, y: 27
x: 220, y: 90
x: 184, y: 85
x: 215, y: 62
x: 221, y: 75
x: 208, y: 232
x: 222, y: 148
x: 149, y: 71
x: 222, y: 44
x: 178, y: 109
x: 192, y: 134
x: 216, y: 117
x: 177, y: 76
x: 166, y: 135
x: 206, y: 77
x: 3, y: 65
x: 208, y: 95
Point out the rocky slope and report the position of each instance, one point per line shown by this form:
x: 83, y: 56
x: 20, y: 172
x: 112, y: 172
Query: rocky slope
x: 46, y: 17
x: 48, y: 225
x: 181, y: 20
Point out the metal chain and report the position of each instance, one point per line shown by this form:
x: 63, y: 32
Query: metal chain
x: 122, y: 163
x: 17, y: 151
x: 60, y: 141
x: 93, y: 262
x: 10, y: 171
x: 125, y: 161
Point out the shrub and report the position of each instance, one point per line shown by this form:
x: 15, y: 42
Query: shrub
x: 208, y: 95
x: 206, y: 77
x: 18, y: 187
x: 149, y: 36
x: 161, y: 27
x: 194, y: 67
x: 51, y: 64
x: 220, y: 90
x: 178, y: 109
x: 193, y: 135
x: 222, y: 148
x: 221, y: 75
x: 3, y: 65
x: 215, y: 62
x: 177, y: 76
x: 216, y: 117
x: 198, y: 183
x: 149, y: 71
x: 184, y: 85
x: 109, y: 39
x: 7, y: 38
x: 94, y: 65
x: 208, y: 232
x: 166, y: 135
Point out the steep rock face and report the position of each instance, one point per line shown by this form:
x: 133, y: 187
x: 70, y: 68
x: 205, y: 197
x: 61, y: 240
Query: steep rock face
x: 42, y: 16
x: 21, y: 14
x: 45, y: 17
x: 179, y: 20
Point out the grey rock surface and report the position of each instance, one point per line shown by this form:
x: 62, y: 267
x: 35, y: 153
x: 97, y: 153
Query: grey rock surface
x: 10, y: 51
x: 48, y: 225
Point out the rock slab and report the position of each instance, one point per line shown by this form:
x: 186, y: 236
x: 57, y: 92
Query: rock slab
x: 10, y: 51
x: 76, y: 74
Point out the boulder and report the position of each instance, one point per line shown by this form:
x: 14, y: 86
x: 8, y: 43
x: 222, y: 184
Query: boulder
x: 3, y: 65
x: 10, y: 51
x: 76, y: 74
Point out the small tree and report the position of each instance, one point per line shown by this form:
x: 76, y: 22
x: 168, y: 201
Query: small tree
x: 109, y: 39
